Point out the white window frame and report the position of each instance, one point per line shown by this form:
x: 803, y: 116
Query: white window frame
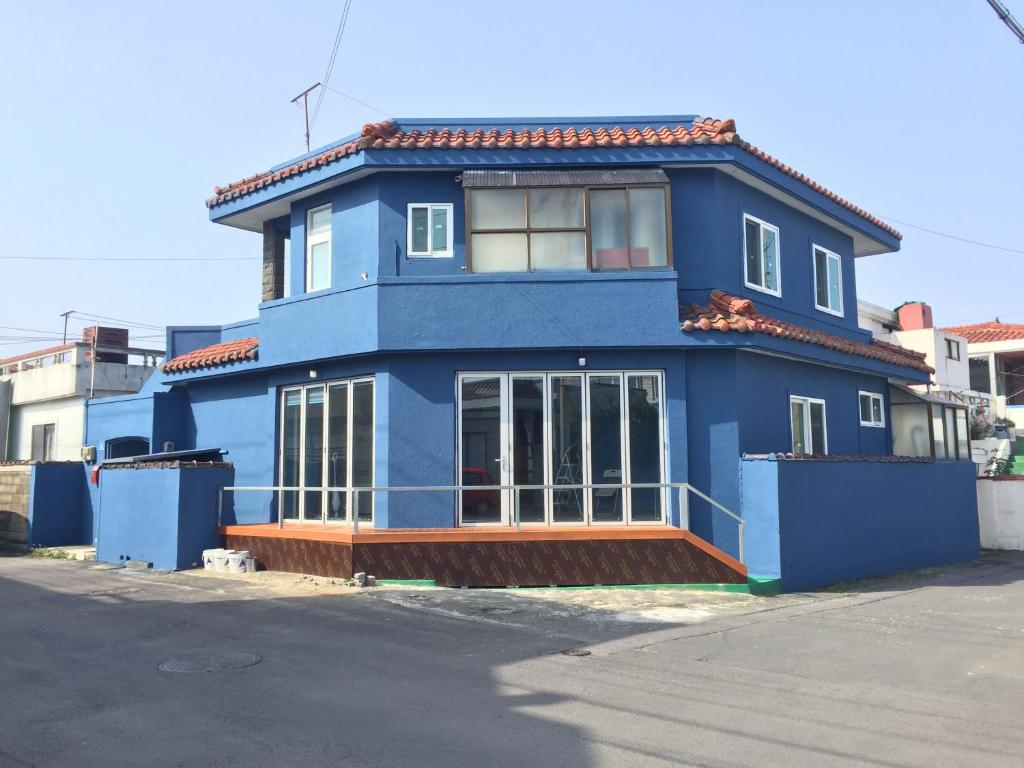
x: 317, y: 239
x: 881, y: 402
x: 762, y: 226
x: 449, y: 250
x: 507, y: 469
x: 952, y: 344
x: 829, y: 255
x: 806, y: 405
x: 351, y: 491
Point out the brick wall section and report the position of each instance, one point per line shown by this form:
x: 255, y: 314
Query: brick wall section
x: 273, y: 262
x: 14, y: 490
x: 106, y: 337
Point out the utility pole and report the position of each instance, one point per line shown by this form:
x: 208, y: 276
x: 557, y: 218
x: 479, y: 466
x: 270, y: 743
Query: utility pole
x: 65, y: 316
x: 305, y: 107
x: 1003, y: 13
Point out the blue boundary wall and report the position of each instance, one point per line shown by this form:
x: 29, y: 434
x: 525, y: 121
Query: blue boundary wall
x: 57, y: 514
x: 166, y: 515
x: 813, y: 523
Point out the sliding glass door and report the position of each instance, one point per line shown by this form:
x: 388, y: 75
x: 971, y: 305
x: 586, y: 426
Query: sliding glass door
x: 326, y: 448
x: 565, y: 431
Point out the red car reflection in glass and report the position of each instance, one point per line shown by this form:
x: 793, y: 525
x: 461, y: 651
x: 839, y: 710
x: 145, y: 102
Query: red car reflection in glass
x: 484, y: 500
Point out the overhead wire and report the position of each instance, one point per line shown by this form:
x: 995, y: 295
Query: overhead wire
x: 342, y: 23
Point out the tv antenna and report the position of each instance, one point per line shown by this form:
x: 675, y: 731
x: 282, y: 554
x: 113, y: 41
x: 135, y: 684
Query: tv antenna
x: 305, y: 107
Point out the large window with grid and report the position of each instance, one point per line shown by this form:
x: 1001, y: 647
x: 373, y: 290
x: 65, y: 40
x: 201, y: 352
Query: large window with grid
x: 538, y: 229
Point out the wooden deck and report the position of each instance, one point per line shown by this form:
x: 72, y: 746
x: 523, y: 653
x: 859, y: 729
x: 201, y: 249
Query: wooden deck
x: 492, y: 556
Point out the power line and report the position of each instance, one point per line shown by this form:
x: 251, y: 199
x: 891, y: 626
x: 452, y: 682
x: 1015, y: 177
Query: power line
x: 137, y: 324
x: 357, y: 101
x: 1003, y: 13
x: 130, y: 258
x: 342, y: 22
x: 953, y: 237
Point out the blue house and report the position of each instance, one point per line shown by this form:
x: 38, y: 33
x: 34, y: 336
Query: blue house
x: 549, y: 326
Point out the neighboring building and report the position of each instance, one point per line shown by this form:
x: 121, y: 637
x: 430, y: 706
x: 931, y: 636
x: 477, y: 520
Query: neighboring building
x: 996, y: 360
x: 584, y: 304
x: 43, y: 393
x: 910, y: 326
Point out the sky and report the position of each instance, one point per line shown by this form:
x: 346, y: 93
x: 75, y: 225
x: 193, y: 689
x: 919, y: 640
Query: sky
x: 117, y: 120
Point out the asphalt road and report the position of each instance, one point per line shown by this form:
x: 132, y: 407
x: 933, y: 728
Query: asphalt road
x: 921, y: 671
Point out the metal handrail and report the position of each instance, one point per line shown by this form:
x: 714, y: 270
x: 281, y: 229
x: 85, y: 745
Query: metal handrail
x: 682, y: 488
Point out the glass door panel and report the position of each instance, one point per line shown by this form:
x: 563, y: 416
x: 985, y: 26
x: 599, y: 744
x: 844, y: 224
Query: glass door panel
x: 481, y: 443
x: 337, y: 451
x: 645, y: 447
x: 291, y: 442
x: 567, y: 449
x: 527, y: 433
x: 313, y: 465
x: 606, y: 448
x: 362, y: 448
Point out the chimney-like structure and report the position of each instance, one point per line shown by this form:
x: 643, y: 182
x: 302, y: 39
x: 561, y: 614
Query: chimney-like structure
x: 915, y: 315
x: 273, y: 262
x: 106, y: 337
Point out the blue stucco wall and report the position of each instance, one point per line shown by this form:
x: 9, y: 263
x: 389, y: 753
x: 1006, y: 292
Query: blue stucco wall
x: 815, y: 523
x: 165, y: 516
x: 57, y: 515
x: 397, y: 192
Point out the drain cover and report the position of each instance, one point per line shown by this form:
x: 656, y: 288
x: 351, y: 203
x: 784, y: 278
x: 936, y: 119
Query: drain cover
x: 575, y: 652
x: 211, y: 662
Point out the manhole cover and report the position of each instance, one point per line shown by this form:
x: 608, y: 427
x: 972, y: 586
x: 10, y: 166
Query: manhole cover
x: 575, y: 652
x: 211, y: 662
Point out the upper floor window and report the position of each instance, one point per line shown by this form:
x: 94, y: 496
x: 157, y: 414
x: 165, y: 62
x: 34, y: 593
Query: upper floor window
x: 952, y: 349
x: 828, y: 281
x: 568, y: 228
x: 761, y: 252
x: 872, y: 410
x: 430, y: 230
x: 43, y: 442
x: 807, y: 424
x: 318, y: 249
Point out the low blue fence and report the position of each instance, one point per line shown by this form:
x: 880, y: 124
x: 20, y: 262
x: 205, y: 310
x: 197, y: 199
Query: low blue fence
x: 813, y: 523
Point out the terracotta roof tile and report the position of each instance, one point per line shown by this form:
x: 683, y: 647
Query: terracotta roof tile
x: 387, y: 135
x: 981, y: 333
x: 215, y: 354
x: 726, y: 312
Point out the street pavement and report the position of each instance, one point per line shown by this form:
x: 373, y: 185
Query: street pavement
x: 923, y: 670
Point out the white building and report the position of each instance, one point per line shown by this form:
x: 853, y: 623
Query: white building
x: 43, y: 393
x: 996, y: 364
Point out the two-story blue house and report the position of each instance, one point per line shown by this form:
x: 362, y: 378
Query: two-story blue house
x: 565, y: 308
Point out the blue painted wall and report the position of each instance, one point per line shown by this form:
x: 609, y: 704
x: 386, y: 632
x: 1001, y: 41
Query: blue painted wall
x: 165, y: 516
x: 815, y: 523
x: 57, y: 515
x: 397, y: 192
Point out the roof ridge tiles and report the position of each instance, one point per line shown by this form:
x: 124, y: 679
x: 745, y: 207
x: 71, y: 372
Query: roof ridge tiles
x: 239, y: 350
x: 726, y: 312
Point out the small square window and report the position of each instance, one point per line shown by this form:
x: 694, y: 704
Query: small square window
x: 952, y: 349
x: 761, y: 255
x: 872, y: 410
x: 430, y: 230
x: 828, y: 281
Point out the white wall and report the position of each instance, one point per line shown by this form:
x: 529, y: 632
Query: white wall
x: 1001, y: 513
x: 68, y: 415
x: 949, y: 374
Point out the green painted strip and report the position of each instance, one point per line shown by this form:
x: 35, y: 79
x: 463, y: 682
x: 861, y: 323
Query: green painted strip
x: 764, y: 585
x: 408, y: 582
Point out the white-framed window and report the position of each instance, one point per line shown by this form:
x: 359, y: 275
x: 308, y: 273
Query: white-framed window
x: 318, y: 248
x: 430, y: 230
x: 761, y: 256
x: 872, y: 409
x: 807, y: 425
x: 952, y: 349
x: 828, y: 281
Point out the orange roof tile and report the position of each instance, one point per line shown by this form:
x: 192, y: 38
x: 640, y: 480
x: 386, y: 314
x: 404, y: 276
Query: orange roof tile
x: 726, y: 312
x: 215, y: 354
x: 387, y: 135
x: 981, y: 333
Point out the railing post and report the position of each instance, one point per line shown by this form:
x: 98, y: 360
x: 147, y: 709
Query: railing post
x: 515, y: 506
x: 280, y: 508
x: 355, y: 512
x: 684, y: 507
x: 220, y: 506
x: 743, y: 553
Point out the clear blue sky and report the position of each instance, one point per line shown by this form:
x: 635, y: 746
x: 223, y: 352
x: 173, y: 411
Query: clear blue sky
x: 118, y: 119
